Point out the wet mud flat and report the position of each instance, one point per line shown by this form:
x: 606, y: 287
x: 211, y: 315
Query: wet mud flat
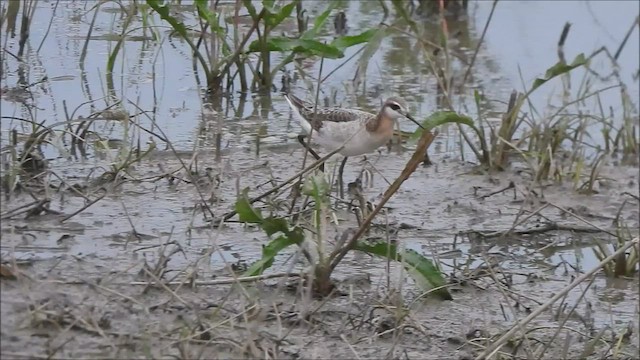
x: 141, y: 273
x: 114, y: 251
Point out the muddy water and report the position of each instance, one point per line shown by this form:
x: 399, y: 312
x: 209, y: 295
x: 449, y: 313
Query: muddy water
x: 431, y: 210
x: 435, y: 210
x: 152, y: 75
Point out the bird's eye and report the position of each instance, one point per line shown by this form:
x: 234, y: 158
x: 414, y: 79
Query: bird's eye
x: 395, y: 107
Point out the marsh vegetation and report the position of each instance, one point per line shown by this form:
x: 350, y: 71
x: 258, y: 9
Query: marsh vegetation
x: 156, y: 203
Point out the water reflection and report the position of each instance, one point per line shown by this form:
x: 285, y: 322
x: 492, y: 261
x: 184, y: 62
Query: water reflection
x: 161, y: 79
x: 452, y: 8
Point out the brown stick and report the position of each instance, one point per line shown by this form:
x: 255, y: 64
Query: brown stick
x: 493, y: 348
x: 16, y: 211
x: 232, y: 213
x: 510, y: 186
x: 222, y: 281
x: 86, y: 206
x: 547, y: 227
x: 418, y: 156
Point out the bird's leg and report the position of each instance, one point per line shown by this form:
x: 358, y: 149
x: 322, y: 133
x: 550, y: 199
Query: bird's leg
x: 426, y: 161
x: 362, y: 171
x: 310, y: 150
x: 340, y: 180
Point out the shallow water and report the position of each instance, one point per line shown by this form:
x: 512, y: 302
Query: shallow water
x: 523, y: 38
x: 434, y: 209
x: 151, y: 74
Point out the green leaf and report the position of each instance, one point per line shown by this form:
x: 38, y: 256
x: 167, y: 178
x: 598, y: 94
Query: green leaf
x: 246, y: 212
x: 421, y: 268
x: 399, y: 5
x: 558, y: 69
x: 369, y: 50
x: 344, y: 42
x: 319, y: 48
x: 276, y: 43
x: 319, y: 21
x: 268, y: 4
x: 306, y: 43
x: 428, y: 271
x: 477, y: 97
x: 209, y: 16
x: 269, y: 252
x: 274, y: 17
x: 272, y: 225
x: 312, y: 47
x: 163, y: 11
x: 317, y: 187
x: 248, y: 4
x: 440, y: 118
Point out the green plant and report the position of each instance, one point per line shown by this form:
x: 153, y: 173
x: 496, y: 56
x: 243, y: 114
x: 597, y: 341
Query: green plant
x: 537, y: 140
x: 316, y: 187
x: 223, y: 53
x: 130, y: 15
x: 271, y: 16
x: 217, y: 66
x: 624, y: 264
x: 443, y: 117
x: 494, y: 154
x: 286, y: 235
x: 307, y: 43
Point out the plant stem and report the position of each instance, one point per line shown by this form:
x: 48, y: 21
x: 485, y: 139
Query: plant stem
x: 266, y: 58
x: 493, y: 348
x: 484, y: 32
x: 235, y: 57
x: 418, y: 156
x: 114, y: 54
x: 232, y: 213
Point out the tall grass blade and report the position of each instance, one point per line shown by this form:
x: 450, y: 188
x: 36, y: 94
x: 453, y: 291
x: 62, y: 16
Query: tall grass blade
x: 178, y: 26
x: 369, y: 50
x: 273, y: 16
x: 558, y: 69
x: 318, y: 23
x: 401, y: 11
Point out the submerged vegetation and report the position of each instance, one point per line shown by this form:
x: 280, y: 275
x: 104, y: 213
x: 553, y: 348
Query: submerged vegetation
x: 85, y: 162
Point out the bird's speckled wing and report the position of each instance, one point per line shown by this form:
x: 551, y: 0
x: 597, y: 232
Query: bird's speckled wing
x: 335, y: 114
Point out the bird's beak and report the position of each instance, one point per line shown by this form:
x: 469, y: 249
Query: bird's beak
x: 414, y: 121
